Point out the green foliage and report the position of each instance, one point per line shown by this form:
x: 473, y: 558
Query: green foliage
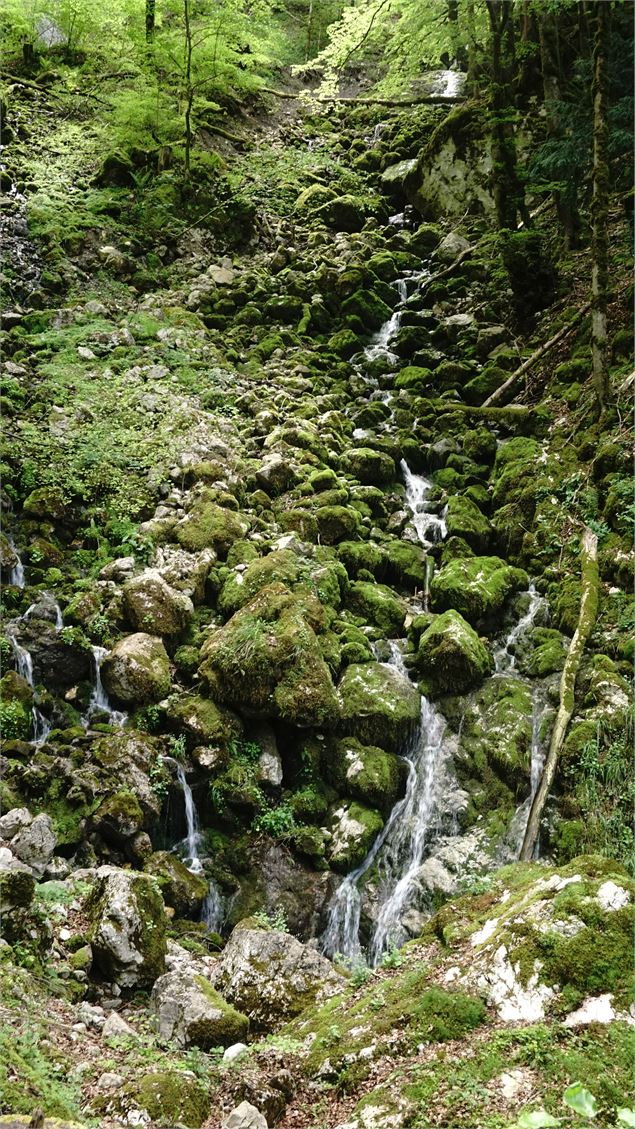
x: 604, y: 791
x: 580, y: 1100
x: 14, y: 721
x: 275, y: 919
x: 278, y: 821
x: 32, y: 1073
x: 392, y: 958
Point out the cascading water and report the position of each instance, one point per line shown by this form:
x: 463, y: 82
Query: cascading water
x: 16, y: 574
x: 24, y: 667
x: 400, y: 847
x: 505, y: 664
x: 99, y: 700
x: 213, y: 910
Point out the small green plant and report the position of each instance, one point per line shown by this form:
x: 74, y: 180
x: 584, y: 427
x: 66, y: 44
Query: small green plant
x: 14, y: 722
x: 392, y: 958
x: 177, y: 747
x: 159, y: 780
x: 274, y: 919
x: 278, y: 821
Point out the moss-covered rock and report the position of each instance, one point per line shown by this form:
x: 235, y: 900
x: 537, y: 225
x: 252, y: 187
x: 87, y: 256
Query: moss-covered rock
x: 183, y: 891
x: 170, y: 1097
x: 209, y: 525
x: 118, y: 817
x: 378, y: 704
x: 336, y: 523
x: 17, y: 885
x: 190, y: 1011
x: 366, y: 310
x: 366, y: 773
x: 477, y: 587
x: 464, y: 519
x: 451, y: 656
x: 353, y: 828
x: 152, y: 606
x: 203, y: 721
x: 267, y: 660
x: 496, y: 732
x: 371, y: 468
x: 127, y: 927
x: 137, y: 669
x: 377, y: 604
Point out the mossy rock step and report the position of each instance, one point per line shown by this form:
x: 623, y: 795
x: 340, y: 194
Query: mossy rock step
x: 378, y: 705
x: 353, y: 829
x: 477, y: 587
x: 366, y: 773
x: 451, y: 656
x: 377, y: 604
x: 267, y: 660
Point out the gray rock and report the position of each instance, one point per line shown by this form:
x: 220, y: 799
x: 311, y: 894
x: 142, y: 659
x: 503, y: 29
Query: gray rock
x: 137, y: 669
x: 153, y: 606
x: 451, y: 247
x: 190, y: 1012
x: 271, y: 976
x: 234, y: 1052
x: 245, y: 1116
x: 34, y: 844
x: 115, y: 1027
x: 17, y: 884
x: 13, y: 821
x: 128, y: 927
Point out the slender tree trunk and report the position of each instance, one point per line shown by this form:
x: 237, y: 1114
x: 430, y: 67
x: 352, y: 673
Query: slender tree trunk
x: 600, y: 206
x: 565, y: 199
x: 453, y: 25
x: 150, y: 16
x: 189, y: 91
x: 507, y: 190
x: 586, y: 620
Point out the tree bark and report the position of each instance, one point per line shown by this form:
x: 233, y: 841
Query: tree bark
x: 507, y: 191
x: 565, y: 199
x: 586, y: 620
x: 600, y: 206
x: 150, y: 18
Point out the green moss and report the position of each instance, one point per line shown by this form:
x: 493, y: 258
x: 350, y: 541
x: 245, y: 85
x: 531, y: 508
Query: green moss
x: 477, y: 587
x: 118, y: 817
x: 365, y: 773
x: 202, y: 720
x: 378, y: 705
x: 171, y: 1096
x: 464, y: 519
x: 354, y: 828
x: 377, y: 604
x: 451, y: 655
x: 367, y: 308
x: 336, y: 523
x: 180, y: 889
x: 210, y: 525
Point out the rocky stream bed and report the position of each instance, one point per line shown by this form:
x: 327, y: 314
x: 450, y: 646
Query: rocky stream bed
x: 285, y: 610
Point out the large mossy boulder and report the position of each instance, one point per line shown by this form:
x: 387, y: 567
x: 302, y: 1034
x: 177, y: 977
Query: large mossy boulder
x: 371, y: 468
x: 378, y: 605
x: 378, y: 705
x: 17, y: 883
x: 366, y: 308
x: 464, y: 519
x: 267, y: 660
x: 209, y: 525
x: 184, y: 891
x: 203, y: 721
x: 343, y: 213
x: 61, y: 659
x: 137, y: 669
x: 118, y: 818
x: 152, y: 605
x: 169, y: 1097
x: 477, y: 587
x: 496, y: 733
x: 451, y: 656
x: 366, y: 773
x: 270, y: 976
x: 242, y: 585
x: 127, y: 927
x: 190, y: 1012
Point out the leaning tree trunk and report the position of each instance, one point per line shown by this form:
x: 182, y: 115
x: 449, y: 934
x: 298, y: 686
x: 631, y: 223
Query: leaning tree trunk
x: 600, y: 206
x: 586, y: 620
x: 507, y: 191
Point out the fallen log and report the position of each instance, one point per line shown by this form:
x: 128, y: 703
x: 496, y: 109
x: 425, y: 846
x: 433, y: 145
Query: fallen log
x: 586, y: 620
x: 537, y: 354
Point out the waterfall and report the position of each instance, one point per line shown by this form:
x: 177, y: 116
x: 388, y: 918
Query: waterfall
x: 213, y: 909
x: 16, y: 574
x: 429, y: 527
x: 505, y: 663
x: 399, y: 849
x: 99, y: 700
x: 192, y: 838
x: 24, y: 666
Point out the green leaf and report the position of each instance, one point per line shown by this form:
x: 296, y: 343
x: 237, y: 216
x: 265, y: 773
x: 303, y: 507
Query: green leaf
x: 536, y: 1119
x: 626, y: 1116
x: 580, y: 1100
